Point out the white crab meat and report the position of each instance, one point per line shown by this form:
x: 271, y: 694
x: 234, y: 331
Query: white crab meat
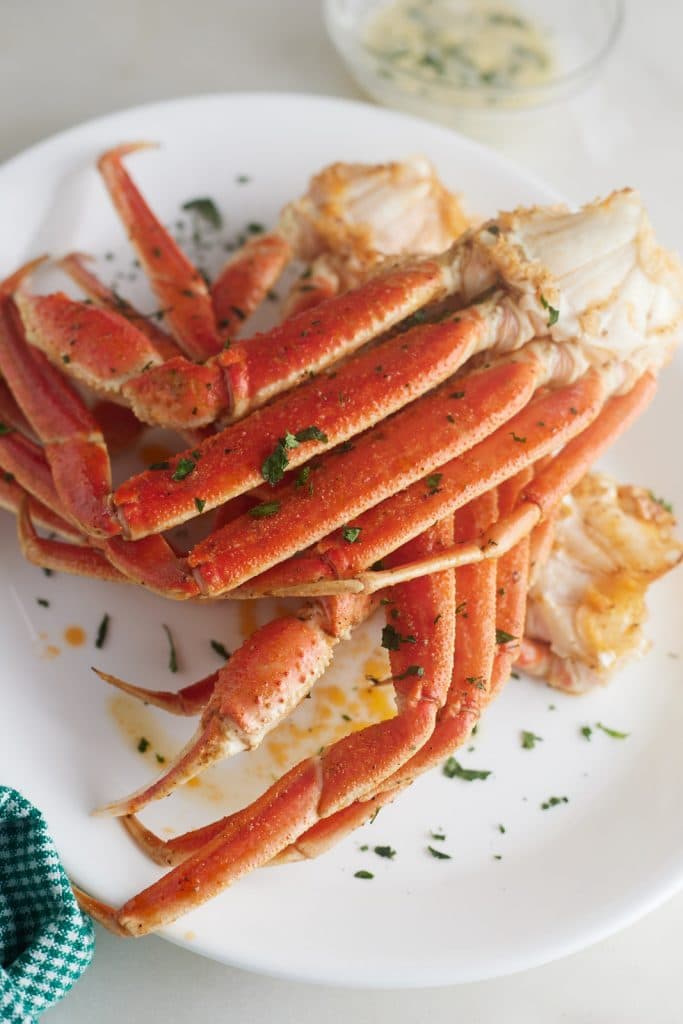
x: 587, y: 604
x: 355, y: 214
x: 593, y: 285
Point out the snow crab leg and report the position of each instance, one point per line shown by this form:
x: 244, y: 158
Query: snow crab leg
x: 178, y: 285
x: 340, y: 774
x: 263, y: 681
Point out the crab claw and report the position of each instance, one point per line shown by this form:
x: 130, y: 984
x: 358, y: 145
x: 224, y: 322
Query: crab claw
x: 261, y: 683
x: 178, y: 285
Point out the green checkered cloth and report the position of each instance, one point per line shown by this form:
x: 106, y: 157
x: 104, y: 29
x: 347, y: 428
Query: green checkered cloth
x: 45, y: 942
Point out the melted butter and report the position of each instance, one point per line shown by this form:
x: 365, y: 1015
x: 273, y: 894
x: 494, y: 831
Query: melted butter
x: 458, y: 45
x: 74, y: 636
x: 335, y: 713
x: 137, y: 721
x: 48, y: 650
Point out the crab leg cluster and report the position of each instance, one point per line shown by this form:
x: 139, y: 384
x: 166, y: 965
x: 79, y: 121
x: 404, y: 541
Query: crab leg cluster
x: 410, y: 435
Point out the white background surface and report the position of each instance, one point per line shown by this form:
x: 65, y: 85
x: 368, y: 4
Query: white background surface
x: 62, y: 61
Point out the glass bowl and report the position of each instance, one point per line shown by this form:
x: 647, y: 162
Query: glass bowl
x: 580, y: 36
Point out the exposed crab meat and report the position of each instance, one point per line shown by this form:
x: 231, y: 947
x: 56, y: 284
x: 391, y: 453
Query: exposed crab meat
x: 353, y: 215
x: 587, y: 603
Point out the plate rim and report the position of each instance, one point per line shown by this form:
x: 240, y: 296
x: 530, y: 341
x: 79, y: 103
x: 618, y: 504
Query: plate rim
x: 635, y: 908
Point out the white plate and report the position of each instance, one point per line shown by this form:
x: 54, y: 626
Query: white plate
x: 568, y: 876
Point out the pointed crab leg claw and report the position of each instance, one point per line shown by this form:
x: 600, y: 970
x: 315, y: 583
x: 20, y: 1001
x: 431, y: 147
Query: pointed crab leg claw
x: 178, y: 285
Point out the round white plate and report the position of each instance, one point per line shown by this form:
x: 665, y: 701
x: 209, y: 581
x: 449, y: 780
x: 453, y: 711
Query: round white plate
x: 566, y: 876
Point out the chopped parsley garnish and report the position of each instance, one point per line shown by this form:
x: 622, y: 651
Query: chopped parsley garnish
x: 160, y: 758
x: 268, y: 508
x: 452, y: 769
x: 183, y: 469
x: 439, y: 854
x: 172, y: 653
x: 200, y: 503
x: 351, y: 534
x: 385, y: 851
x: 612, y: 732
x: 392, y: 639
x: 254, y: 228
x: 666, y: 505
x: 433, y: 482
x: 165, y: 464
x: 220, y: 649
x: 412, y: 670
x: 553, y: 314
x: 48, y: 572
x: 493, y: 229
x: 586, y: 732
x: 302, y: 476
x: 553, y: 801
x: 438, y: 835
x: 206, y: 209
x: 504, y: 638
x: 102, y: 631
x: 5, y: 429
x: 457, y: 394
x: 242, y: 179
x: 501, y: 829
x: 43, y: 602
x: 143, y: 744
x: 530, y: 739
x: 517, y: 438
x: 363, y: 874
x: 273, y: 468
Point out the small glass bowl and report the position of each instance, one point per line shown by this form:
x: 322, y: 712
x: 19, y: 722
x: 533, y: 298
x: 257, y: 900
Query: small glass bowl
x: 581, y: 35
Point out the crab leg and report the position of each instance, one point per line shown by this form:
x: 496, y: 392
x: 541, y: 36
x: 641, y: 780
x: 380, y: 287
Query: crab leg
x: 340, y: 406
x: 418, y: 439
x: 178, y: 285
x: 564, y: 413
x: 475, y: 634
x: 479, y: 612
x: 246, y: 546
x: 491, y: 604
x: 73, y: 442
x: 317, y: 284
x: 261, y: 683
x: 74, y: 264
x: 82, y: 560
x: 247, y: 373
x: 338, y: 616
x: 340, y: 774
x: 12, y: 497
x: 25, y: 461
x: 246, y: 279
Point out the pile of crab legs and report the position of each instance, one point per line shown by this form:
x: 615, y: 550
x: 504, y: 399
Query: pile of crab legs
x: 451, y: 480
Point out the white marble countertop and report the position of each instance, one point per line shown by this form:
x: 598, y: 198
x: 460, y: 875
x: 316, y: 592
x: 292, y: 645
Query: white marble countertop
x: 62, y: 62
